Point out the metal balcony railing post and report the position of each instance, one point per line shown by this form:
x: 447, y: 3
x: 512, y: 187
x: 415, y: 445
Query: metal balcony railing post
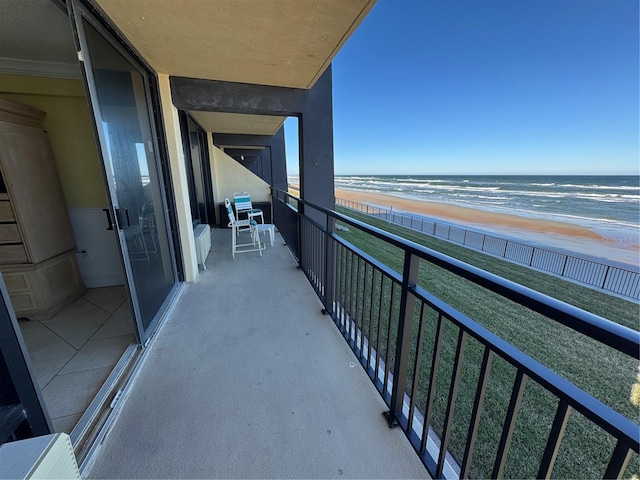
x: 620, y: 459
x: 298, y: 232
x: 329, y: 267
x: 403, y: 339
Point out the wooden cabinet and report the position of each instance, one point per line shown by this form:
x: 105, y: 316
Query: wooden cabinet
x: 37, y: 248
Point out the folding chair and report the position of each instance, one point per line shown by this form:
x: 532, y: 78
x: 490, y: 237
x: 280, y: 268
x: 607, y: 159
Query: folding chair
x: 242, y: 202
x: 245, y: 224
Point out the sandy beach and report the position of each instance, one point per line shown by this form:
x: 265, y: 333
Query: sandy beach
x: 469, y: 216
x: 552, y: 234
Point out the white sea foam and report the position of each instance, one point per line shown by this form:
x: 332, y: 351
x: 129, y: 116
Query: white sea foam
x: 595, y: 202
x: 602, y: 187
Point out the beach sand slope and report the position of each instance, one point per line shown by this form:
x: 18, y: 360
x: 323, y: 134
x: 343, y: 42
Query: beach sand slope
x: 546, y: 233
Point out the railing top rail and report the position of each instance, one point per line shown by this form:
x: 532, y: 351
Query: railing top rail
x: 614, y: 335
x: 377, y: 264
x: 592, y: 408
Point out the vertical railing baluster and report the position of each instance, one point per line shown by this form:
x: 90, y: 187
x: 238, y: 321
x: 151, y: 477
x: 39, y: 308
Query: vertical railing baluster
x: 380, y: 310
x: 509, y: 424
x: 337, y: 298
x: 298, y: 233
x: 619, y: 461
x: 356, y: 304
x: 416, y: 366
x: 363, y: 307
x: 308, y: 245
x: 352, y: 278
x: 316, y: 258
x: 453, y: 394
x: 308, y: 248
x: 604, y: 279
x: 311, y: 249
x: 342, y: 284
x: 362, y: 265
x: 347, y: 291
x: 555, y: 439
x: 324, y: 240
x: 303, y: 244
x: 476, y: 413
x: 310, y: 257
x: 403, y: 339
x: 330, y: 271
x: 435, y: 362
x: 371, y: 304
x: 320, y: 258
x: 389, y: 325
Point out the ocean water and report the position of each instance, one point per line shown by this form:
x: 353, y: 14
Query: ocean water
x: 609, y: 205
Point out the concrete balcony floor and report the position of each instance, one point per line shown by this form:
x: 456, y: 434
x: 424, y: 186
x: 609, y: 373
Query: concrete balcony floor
x: 247, y: 379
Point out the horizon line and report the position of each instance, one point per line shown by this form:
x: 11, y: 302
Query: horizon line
x: 485, y: 174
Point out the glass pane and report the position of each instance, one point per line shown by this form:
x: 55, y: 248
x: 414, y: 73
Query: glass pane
x: 196, y: 163
x: 132, y: 172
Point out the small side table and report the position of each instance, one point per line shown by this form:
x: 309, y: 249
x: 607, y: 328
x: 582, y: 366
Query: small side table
x: 267, y: 227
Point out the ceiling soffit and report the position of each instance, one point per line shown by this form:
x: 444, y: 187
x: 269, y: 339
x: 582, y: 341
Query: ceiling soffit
x: 217, y: 122
x: 285, y: 43
x: 36, y: 39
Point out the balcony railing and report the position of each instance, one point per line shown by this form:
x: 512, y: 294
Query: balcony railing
x: 434, y: 366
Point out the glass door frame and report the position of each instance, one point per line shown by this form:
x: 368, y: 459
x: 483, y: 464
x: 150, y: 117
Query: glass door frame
x: 80, y: 11
x: 189, y: 126
x: 20, y: 395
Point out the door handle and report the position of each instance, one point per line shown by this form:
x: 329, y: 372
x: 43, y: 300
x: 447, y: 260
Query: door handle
x: 109, y: 220
x: 119, y: 218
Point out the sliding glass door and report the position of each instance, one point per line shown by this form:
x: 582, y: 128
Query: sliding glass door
x: 194, y: 142
x: 119, y: 92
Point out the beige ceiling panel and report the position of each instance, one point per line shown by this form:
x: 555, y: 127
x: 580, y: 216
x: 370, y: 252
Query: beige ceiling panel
x: 268, y: 42
x: 238, y: 123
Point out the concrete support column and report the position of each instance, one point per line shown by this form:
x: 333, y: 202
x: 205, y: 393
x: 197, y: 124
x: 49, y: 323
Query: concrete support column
x: 278, y: 160
x: 316, y: 146
x: 179, y: 176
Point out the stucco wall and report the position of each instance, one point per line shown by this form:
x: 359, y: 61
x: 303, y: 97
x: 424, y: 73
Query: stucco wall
x: 229, y: 176
x: 179, y: 180
x: 69, y: 125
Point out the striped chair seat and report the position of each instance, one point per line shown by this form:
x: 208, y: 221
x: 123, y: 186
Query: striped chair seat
x: 246, y: 224
x: 242, y: 202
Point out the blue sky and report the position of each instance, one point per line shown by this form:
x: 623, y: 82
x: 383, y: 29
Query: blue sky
x: 489, y: 87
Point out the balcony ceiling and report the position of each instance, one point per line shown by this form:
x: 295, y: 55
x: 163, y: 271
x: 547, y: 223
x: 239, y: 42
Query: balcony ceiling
x: 236, y: 123
x: 36, y: 39
x: 286, y: 43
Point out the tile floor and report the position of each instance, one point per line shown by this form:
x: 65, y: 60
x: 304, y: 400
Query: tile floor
x: 73, y: 352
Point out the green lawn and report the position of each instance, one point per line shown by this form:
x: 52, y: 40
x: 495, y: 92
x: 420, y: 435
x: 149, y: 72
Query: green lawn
x: 605, y: 374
